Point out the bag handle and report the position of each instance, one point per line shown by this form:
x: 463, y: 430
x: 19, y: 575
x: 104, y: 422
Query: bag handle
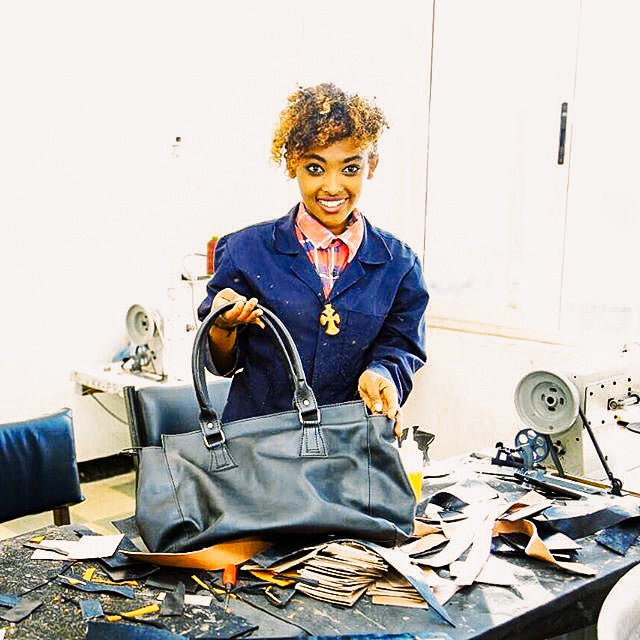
x: 304, y: 400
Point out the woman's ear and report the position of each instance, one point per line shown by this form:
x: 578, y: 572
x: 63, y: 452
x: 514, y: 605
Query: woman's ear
x: 373, y: 163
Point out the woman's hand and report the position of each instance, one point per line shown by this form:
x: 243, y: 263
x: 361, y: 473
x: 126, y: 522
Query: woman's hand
x: 380, y: 396
x: 244, y: 311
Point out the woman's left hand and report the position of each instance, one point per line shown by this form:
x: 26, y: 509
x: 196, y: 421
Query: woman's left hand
x: 380, y: 396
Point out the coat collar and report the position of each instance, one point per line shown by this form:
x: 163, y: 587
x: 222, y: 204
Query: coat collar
x: 373, y: 249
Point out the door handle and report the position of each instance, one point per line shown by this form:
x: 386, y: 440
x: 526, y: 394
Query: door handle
x: 563, y: 131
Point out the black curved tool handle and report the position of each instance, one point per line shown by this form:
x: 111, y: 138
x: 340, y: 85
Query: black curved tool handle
x: 304, y: 399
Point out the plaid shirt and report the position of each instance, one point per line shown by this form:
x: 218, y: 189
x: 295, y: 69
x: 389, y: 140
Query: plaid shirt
x: 329, y: 254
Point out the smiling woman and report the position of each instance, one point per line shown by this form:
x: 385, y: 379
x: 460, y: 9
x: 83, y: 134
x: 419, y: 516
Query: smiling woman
x: 330, y: 181
x: 328, y: 140
x: 352, y: 296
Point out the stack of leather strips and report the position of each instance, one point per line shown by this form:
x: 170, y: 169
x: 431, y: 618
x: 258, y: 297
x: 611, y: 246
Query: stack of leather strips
x: 342, y: 573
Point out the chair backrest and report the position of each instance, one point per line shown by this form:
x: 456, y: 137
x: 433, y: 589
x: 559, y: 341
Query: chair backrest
x: 162, y: 408
x: 38, y: 463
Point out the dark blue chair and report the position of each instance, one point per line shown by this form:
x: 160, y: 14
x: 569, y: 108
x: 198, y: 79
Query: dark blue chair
x: 38, y: 470
x: 158, y: 409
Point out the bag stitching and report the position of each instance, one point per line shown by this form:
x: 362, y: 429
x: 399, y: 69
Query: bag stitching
x: 282, y: 413
x: 173, y: 485
x: 227, y: 460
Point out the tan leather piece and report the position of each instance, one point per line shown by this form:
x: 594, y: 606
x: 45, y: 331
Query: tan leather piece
x: 424, y: 529
x: 423, y: 544
x: 536, y: 548
x: 218, y: 556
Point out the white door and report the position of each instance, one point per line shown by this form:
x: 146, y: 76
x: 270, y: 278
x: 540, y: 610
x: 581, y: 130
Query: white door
x: 600, y: 291
x: 496, y: 193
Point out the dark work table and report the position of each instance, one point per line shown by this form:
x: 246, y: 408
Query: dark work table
x: 546, y: 601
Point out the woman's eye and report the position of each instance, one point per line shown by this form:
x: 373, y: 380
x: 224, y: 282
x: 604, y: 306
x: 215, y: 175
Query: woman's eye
x: 351, y: 169
x: 314, y: 169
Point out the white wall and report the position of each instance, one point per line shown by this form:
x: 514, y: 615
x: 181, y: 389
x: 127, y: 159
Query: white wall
x: 97, y: 209
x: 465, y: 394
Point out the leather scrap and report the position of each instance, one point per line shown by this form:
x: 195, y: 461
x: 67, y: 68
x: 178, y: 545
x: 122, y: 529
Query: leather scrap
x: 166, y: 579
x: 123, y: 631
x: 402, y: 564
x: 119, y: 560
x: 424, y: 544
x: 284, y: 555
x: 421, y: 529
x: 528, y: 505
x: 393, y: 589
x: 582, y: 526
x: 584, y: 518
x: 20, y: 611
x: 460, y: 535
x: 495, y: 571
x: 558, y: 541
x: 93, y: 587
x: 621, y: 537
x: 8, y: 600
x: 472, y: 491
x: 444, y: 499
x: 212, y: 558
x: 536, y: 547
x: 91, y: 609
x: 469, y: 569
x: 130, y: 572
x: 173, y: 603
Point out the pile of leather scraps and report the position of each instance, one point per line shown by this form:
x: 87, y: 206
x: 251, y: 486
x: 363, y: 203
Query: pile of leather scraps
x: 476, y: 522
x: 464, y: 534
x: 342, y: 571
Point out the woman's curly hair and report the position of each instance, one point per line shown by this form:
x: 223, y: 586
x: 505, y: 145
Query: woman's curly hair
x: 321, y: 115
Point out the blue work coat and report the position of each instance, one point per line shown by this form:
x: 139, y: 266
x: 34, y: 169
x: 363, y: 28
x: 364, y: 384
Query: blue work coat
x: 380, y: 297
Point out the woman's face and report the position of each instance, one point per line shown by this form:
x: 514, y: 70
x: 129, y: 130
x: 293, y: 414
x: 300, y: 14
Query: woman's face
x: 330, y: 181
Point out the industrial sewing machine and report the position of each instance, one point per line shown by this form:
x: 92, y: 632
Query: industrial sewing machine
x: 557, y: 410
x: 161, y: 334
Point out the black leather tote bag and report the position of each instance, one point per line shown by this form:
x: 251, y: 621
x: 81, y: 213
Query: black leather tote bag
x: 312, y: 471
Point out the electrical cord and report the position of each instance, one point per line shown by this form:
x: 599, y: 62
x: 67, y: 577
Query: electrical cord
x: 113, y: 415
x: 192, y: 279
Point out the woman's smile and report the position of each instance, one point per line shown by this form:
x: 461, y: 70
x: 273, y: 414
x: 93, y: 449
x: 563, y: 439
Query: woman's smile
x: 332, y: 205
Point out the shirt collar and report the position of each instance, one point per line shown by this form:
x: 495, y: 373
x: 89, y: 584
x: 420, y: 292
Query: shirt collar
x: 320, y: 237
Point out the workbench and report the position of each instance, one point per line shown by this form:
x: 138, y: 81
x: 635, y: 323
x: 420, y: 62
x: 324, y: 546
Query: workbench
x: 547, y: 603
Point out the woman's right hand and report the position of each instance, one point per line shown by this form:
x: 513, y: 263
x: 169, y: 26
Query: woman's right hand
x: 244, y: 311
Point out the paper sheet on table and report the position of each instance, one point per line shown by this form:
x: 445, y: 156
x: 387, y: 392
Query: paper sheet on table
x: 85, y: 548
x: 211, y: 558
